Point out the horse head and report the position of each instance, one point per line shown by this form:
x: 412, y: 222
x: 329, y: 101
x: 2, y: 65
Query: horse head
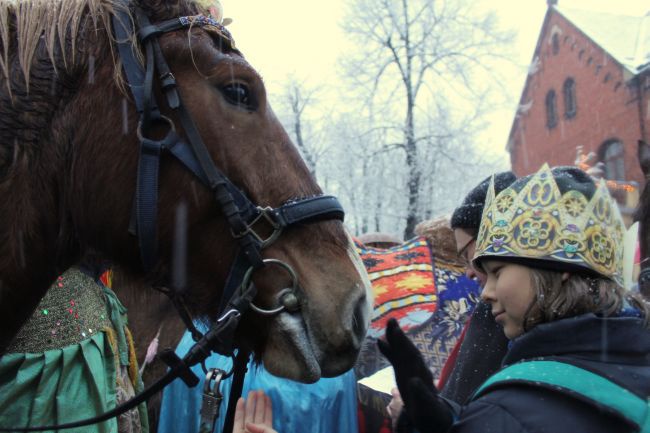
x: 86, y: 159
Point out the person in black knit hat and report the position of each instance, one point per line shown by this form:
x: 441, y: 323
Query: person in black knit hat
x: 481, y: 345
x: 466, y: 218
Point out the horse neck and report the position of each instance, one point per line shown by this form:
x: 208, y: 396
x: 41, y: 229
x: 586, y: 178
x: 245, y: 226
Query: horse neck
x: 150, y: 313
x: 36, y: 130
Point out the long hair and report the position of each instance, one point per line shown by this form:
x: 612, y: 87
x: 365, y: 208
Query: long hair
x: 557, y: 299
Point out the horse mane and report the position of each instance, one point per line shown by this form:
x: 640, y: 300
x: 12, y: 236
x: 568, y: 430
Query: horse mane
x: 25, y: 24
x: 58, y: 24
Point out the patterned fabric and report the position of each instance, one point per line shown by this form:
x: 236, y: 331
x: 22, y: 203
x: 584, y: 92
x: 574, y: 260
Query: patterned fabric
x: 440, y: 299
x: 403, y: 284
x: 434, y: 333
x: 457, y: 297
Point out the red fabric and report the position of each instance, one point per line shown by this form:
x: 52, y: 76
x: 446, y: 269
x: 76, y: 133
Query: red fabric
x: 451, y: 361
x: 386, y: 426
x: 107, y: 278
x: 361, y: 416
x: 403, y: 282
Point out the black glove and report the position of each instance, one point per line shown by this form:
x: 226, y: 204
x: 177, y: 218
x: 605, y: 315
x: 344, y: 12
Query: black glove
x: 425, y: 409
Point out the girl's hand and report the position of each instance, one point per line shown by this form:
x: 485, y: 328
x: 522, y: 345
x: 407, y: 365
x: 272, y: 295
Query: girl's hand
x: 395, y: 406
x: 423, y: 407
x: 254, y: 415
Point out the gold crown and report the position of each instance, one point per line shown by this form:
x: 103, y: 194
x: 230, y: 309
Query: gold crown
x: 539, y: 222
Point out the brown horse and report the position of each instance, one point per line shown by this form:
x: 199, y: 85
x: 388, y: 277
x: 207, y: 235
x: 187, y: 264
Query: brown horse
x: 642, y: 215
x: 68, y: 158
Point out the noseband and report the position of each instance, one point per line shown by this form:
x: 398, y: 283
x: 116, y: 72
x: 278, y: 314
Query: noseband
x: 240, y: 213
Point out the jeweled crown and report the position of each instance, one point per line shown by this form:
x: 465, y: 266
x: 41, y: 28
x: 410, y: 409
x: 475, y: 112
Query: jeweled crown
x: 539, y: 222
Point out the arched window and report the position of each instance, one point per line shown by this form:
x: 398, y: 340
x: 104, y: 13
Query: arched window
x: 612, y: 155
x: 569, y: 90
x: 555, y: 42
x: 551, y: 110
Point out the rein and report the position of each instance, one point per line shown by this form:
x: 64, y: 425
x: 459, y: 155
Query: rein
x: 241, y: 214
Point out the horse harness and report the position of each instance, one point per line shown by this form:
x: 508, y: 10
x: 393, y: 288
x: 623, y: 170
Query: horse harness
x: 241, y: 214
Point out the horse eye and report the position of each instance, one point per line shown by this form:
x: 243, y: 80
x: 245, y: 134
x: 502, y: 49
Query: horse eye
x: 238, y: 94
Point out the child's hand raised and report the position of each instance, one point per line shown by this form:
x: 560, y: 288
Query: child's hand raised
x: 254, y: 415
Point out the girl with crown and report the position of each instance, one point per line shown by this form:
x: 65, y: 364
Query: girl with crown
x: 579, y: 351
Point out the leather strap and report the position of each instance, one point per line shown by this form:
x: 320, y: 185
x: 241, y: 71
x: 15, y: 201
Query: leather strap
x: 239, y: 372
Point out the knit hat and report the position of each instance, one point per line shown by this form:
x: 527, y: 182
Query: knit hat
x: 468, y: 214
x: 555, y: 219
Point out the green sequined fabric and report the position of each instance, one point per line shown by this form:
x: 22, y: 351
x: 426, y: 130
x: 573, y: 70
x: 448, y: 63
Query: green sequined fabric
x: 73, y: 309
x: 70, y: 361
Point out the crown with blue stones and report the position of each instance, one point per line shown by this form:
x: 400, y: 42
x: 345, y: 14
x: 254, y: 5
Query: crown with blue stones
x: 539, y: 222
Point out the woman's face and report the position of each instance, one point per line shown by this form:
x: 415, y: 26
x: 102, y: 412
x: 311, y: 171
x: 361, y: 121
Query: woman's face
x: 466, y: 247
x: 509, y: 291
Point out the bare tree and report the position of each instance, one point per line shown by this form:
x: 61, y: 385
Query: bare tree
x: 298, y: 96
x: 412, y: 52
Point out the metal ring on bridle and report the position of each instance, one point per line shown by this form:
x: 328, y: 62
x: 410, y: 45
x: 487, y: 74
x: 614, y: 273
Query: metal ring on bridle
x: 287, y: 297
x: 159, y: 117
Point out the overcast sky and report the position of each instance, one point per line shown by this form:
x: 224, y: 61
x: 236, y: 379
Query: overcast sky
x: 304, y: 38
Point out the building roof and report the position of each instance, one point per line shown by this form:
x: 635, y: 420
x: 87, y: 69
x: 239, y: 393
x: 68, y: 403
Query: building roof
x: 625, y: 38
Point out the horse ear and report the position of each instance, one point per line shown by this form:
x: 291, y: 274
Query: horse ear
x: 643, y: 153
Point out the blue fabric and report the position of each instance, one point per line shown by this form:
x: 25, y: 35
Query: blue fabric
x: 329, y: 405
x: 628, y: 310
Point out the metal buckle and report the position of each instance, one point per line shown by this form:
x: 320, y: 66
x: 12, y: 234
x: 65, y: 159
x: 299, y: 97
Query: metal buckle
x: 168, y: 80
x: 212, y: 397
x: 266, y: 213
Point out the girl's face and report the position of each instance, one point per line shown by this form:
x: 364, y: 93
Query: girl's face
x: 509, y: 291
x: 466, y: 247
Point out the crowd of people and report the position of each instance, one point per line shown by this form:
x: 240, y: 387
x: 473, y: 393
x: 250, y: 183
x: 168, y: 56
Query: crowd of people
x: 572, y: 351
x: 555, y: 344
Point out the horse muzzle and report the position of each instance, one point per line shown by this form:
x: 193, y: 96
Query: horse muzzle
x: 304, y: 346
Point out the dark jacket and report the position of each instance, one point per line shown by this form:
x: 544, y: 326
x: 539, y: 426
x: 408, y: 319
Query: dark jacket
x: 616, y: 348
x: 480, y: 355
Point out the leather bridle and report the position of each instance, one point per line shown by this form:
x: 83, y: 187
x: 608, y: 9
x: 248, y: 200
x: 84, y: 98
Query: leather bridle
x: 240, y: 213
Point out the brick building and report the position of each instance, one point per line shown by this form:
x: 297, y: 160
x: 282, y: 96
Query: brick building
x: 588, y: 85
